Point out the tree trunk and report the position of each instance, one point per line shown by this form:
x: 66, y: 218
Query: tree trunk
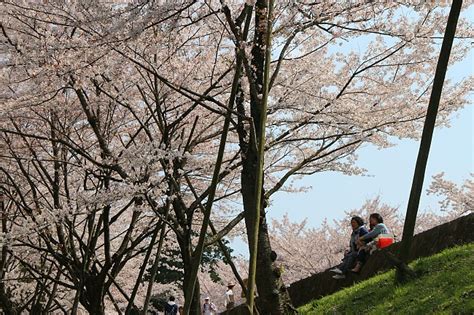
x: 92, y: 298
x: 418, y: 177
x: 273, y: 298
x: 268, y: 275
x: 185, y: 246
x: 7, y: 306
x: 195, y: 307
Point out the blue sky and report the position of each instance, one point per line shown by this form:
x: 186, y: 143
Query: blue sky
x: 390, y: 174
x: 390, y: 171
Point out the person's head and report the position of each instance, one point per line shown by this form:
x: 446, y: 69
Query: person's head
x: 230, y: 285
x: 356, y: 222
x: 206, y: 300
x: 375, y: 219
x: 171, y: 298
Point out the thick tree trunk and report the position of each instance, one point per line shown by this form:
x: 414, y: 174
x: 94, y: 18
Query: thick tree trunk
x: 273, y: 299
x: 195, y: 308
x: 268, y: 275
x: 186, y: 254
x: 92, y: 298
x: 96, y: 306
x: 196, y: 302
x: 6, y: 304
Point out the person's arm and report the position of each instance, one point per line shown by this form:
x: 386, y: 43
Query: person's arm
x: 363, y: 231
x: 372, y: 234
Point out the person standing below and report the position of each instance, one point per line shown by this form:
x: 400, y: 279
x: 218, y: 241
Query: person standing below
x: 171, y: 308
x: 229, y: 297
x: 208, y: 308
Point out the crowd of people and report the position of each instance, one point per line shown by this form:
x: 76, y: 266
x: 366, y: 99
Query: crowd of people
x: 362, y: 243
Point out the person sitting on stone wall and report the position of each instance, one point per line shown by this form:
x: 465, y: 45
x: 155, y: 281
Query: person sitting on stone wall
x: 350, y: 256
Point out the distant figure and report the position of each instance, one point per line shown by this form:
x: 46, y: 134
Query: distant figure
x: 229, y: 297
x: 209, y: 308
x: 171, y: 308
x: 378, y: 228
x: 350, y: 256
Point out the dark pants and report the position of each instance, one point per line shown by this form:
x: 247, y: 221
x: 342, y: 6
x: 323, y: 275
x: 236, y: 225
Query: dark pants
x: 348, y: 261
x: 362, y: 256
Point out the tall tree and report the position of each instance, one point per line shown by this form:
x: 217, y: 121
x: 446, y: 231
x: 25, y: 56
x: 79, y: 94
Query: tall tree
x: 430, y: 121
x: 264, y: 27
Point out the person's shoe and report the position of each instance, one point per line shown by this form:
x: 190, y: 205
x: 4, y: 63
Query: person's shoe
x: 336, y: 270
x: 357, y: 268
x: 338, y: 277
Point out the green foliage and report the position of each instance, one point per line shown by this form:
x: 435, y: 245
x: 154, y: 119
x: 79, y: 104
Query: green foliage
x: 445, y: 285
x: 171, y: 268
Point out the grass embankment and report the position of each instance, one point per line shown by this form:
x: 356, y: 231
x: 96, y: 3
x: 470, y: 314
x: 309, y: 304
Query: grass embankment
x: 445, y: 285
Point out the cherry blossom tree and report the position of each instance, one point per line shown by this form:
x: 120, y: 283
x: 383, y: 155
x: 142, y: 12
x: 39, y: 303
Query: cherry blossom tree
x: 114, y: 113
x: 455, y: 200
x: 127, y: 134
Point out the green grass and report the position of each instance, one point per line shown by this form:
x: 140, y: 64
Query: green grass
x: 445, y: 285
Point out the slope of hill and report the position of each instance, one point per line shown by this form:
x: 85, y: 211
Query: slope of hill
x: 430, y: 242
x: 445, y: 285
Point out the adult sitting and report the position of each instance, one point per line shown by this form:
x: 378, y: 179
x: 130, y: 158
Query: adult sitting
x: 358, y: 230
x: 378, y: 228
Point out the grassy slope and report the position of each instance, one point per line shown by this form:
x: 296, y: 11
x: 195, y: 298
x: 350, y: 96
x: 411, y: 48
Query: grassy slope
x: 445, y: 286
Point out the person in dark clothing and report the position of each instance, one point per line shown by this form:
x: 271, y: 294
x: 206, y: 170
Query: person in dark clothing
x: 171, y: 308
x: 358, y: 230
